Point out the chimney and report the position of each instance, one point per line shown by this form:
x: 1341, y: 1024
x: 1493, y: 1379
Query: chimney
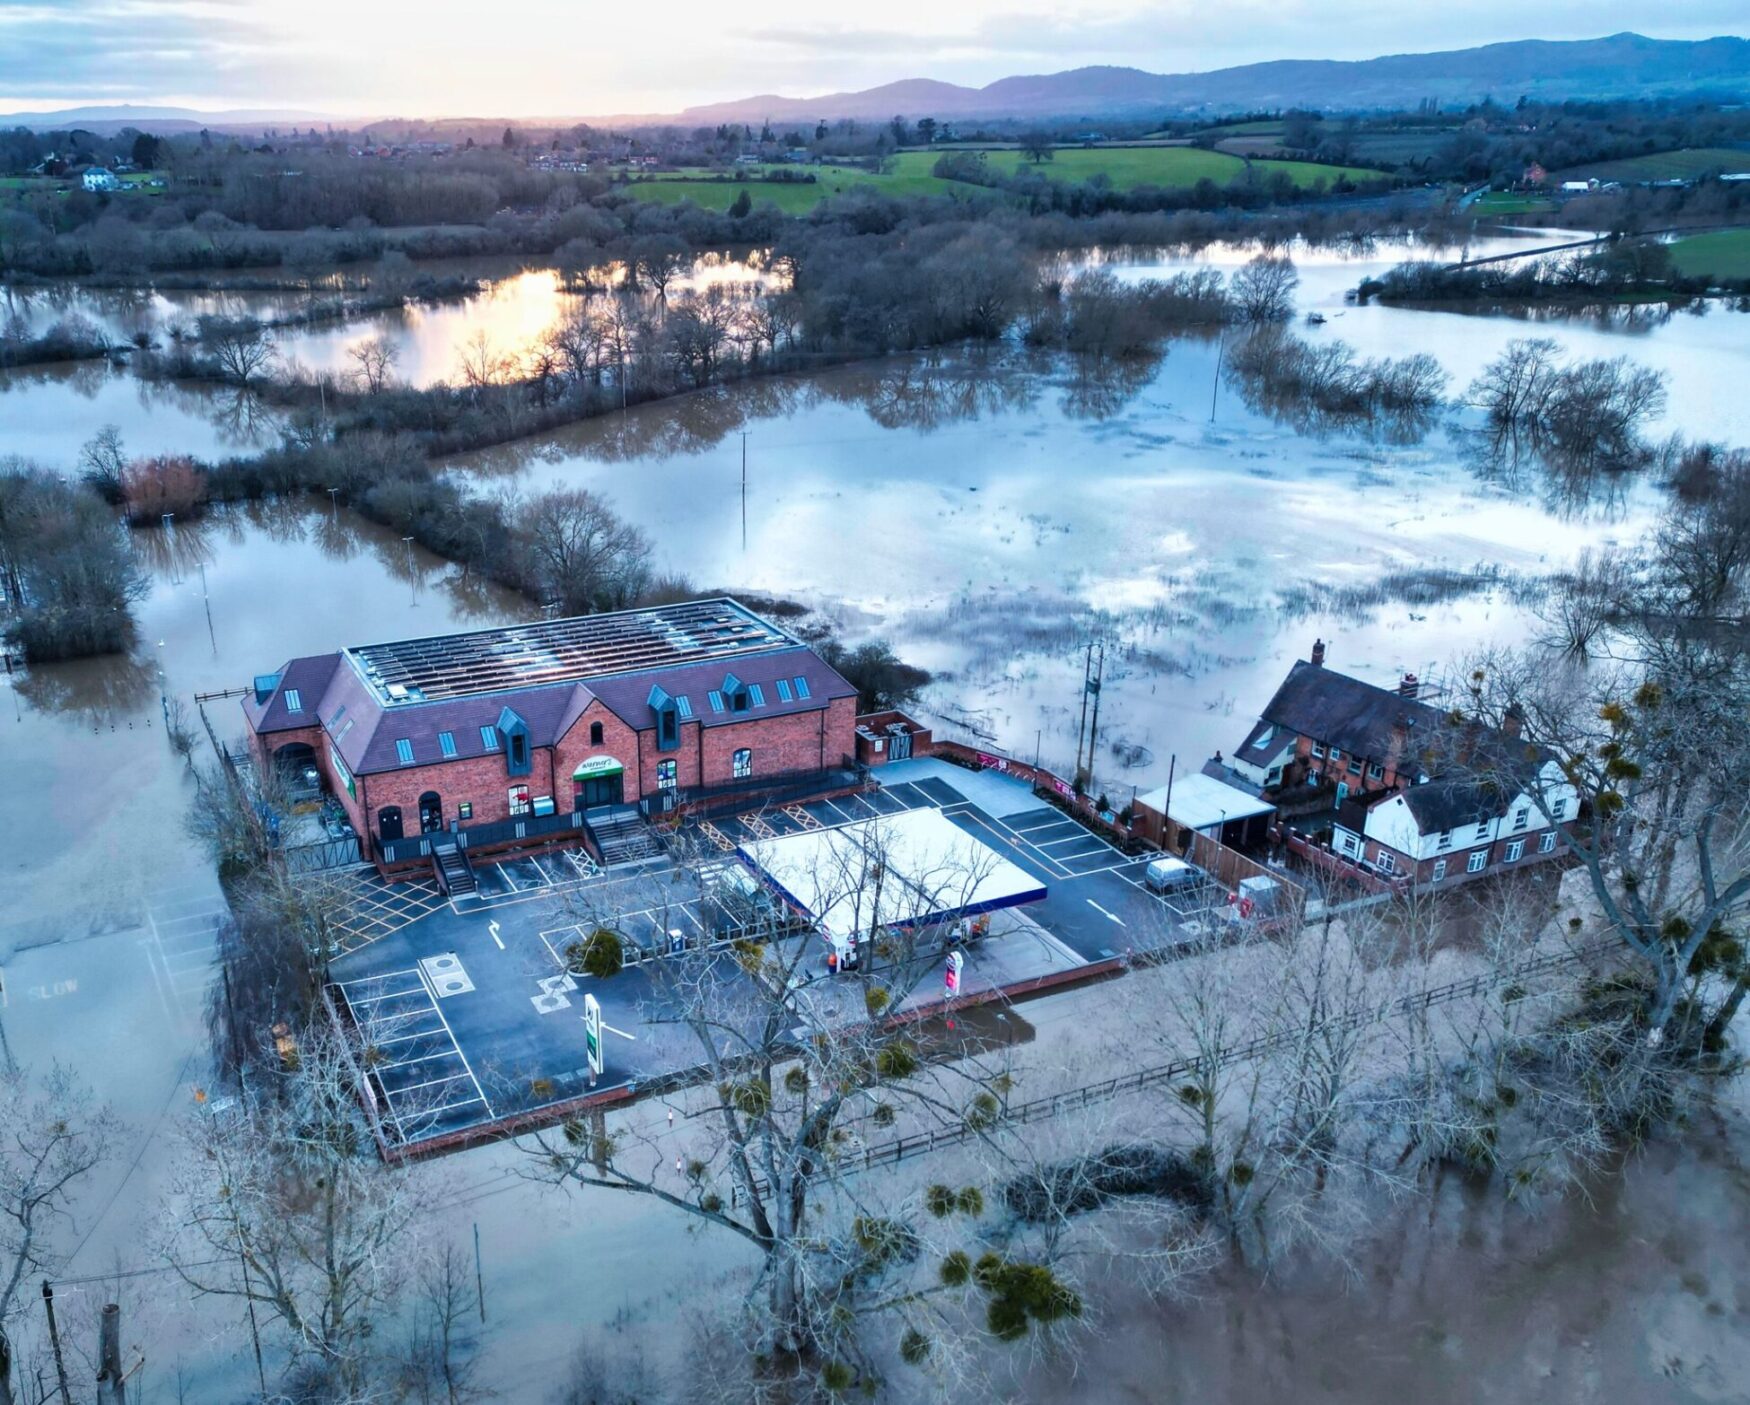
x: 1318, y: 653
x: 1410, y: 686
x: 1513, y: 721
x: 1218, y: 758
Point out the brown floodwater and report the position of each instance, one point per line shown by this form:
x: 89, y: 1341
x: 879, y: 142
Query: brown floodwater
x: 978, y: 511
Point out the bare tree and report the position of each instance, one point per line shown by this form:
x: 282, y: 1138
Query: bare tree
x: 441, y: 1366
x: 281, y: 1203
x: 480, y: 362
x: 658, y: 259
x: 102, y: 460
x: 796, y: 1062
x: 580, y: 553
x: 240, y: 347
x: 372, y: 359
x: 53, y: 1134
x: 1263, y: 290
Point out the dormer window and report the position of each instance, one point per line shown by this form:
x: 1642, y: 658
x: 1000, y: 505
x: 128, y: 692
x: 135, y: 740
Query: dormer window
x: 735, y: 693
x: 668, y: 720
x: 514, y: 732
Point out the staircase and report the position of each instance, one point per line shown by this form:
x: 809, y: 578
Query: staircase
x: 454, y: 874
x: 622, y: 835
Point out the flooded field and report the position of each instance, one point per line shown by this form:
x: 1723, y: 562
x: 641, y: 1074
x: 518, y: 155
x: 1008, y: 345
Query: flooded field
x: 984, y: 514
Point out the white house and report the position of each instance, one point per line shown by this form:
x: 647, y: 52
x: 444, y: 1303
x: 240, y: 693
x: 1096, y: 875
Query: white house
x: 97, y: 178
x: 1455, y: 829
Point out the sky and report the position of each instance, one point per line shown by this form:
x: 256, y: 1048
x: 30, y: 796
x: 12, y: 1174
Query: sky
x: 530, y: 58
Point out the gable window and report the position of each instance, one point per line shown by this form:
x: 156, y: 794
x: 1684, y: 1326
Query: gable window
x: 667, y: 774
x: 1482, y: 829
x: 783, y: 687
x: 519, y: 800
x: 517, y: 748
x: 1557, y: 809
x: 489, y: 738
x: 1514, y: 850
x: 668, y: 719
x: 1376, y: 772
x: 1546, y: 842
x: 1445, y: 840
x: 743, y: 764
x: 1439, y: 870
x: 1478, y: 860
x: 1521, y: 816
x: 447, y: 744
x: 404, y: 751
x: 294, y: 700
x: 595, y: 733
x: 801, y: 687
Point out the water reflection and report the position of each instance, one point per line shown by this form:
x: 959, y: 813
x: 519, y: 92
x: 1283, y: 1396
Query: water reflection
x: 99, y: 693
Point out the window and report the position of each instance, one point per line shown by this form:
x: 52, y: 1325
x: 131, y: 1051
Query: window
x: 684, y: 705
x: 489, y: 738
x: 1354, y: 765
x: 757, y: 695
x: 1385, y: 861
x: 1351, y: 845
x: 404, y: 751
x: 801, y: 687
x: 1273, y: 777
x: 1439, y: 870
x: 1546, y: 842
x: 716, y: 700
x: 465, y: 810
x: 1478, y: 860
x: 743, y: 764
x: 519, y: 750
x: 1482, y: 829
x: 294, y: 700
x: 667, y: 773
x: 1445, y: 840
x: 595, y: 733
x: 340, y: 736
x: 1376, y: 772
x: 1514, y: 850
x: 668, y: 729
x: 519, y: 800
x: 339, y: 713
x: 1521, y: 816
x: 1557, y: 809
x: 447, y: 744
x: 783, y: 686
x: 1318, y: 749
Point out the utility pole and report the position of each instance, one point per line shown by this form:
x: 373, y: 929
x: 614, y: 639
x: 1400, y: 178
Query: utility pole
x: 1094, y: 730
x: 1082, y: 722
x: 479, y: 1276
x: 744, y: 490
x: 55, y: 1342
x: 1220, y: 347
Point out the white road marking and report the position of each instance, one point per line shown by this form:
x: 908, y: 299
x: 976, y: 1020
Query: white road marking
x: 1111, y: 916
x: 492, y: 927
x: 622, y: 1033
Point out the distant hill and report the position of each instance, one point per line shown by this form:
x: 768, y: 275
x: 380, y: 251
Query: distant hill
x: 1623, y: 65
x: 106, y: 121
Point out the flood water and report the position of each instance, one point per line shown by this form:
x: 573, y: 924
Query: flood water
x: 983, y: 512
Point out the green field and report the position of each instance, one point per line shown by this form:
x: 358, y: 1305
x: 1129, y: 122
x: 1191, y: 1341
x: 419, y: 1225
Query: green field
x: 1723, y: 253
x: 1130, y: 166
x: 1506, y: 202
x: 912, y: 173
x: 1663, y: 165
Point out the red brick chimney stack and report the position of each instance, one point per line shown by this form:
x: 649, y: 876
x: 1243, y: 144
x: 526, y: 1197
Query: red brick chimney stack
x: 1318, y: 653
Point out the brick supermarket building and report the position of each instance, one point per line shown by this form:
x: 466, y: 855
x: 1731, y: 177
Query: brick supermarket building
x: 518, y: 734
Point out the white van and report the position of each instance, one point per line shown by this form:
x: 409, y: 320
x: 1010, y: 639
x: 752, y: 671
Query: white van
x: 1169, y: 875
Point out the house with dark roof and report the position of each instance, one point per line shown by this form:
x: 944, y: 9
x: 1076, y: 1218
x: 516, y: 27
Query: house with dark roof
x: 519, y: 734
x: 1418, y: 798
x: 1325, y: 726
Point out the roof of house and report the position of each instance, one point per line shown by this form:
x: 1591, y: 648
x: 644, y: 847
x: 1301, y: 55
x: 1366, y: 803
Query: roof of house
x: 366, y: 722
x: 1359, y: 718
x: 1454, y: 801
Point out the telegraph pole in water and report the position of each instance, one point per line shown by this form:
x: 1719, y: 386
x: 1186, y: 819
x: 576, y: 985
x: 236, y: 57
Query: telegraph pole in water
x: 744, y: 490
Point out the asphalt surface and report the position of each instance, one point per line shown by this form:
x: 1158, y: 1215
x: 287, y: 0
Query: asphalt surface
x: 471, y: 1018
